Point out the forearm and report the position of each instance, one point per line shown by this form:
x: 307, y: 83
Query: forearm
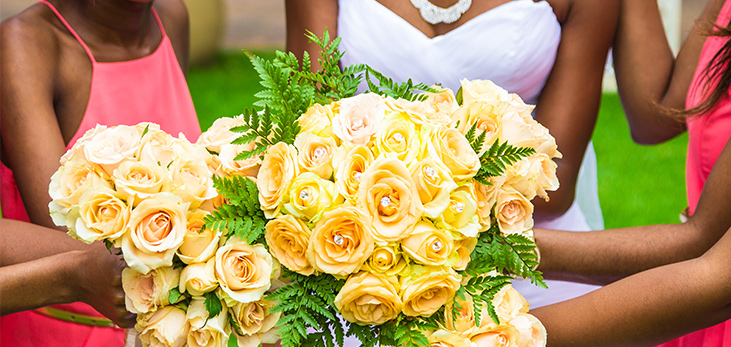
x: 17, y: 237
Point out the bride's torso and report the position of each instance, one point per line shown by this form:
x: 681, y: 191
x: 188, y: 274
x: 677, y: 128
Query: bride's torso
x: 513, y: 44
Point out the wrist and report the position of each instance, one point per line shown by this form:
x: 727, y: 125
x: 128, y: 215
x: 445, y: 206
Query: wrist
x: 73, y: 276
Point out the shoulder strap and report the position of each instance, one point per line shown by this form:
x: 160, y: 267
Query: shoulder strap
x: 73, y: 32
x: 159, y: 22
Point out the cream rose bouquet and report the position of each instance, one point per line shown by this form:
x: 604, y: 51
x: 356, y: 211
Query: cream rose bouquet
x: 148, y: 193
x: 405, y: 210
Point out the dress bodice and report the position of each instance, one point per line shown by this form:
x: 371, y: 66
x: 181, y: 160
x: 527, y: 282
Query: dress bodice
x: 516, y: 46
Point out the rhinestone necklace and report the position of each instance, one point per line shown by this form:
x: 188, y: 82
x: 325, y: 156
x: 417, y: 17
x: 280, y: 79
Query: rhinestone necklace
x: 434, y: 14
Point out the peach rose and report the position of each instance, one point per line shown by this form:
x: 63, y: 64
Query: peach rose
x: 359, y: 118
x: 389, y: 195
x: 482, y: 90
x: 504, y: 335
x: 156, y: 229
x: 485, y: 116
x: 74, y: 178
x: 231, y: 167
x: 205, y: 332
x: 147, y: 292
x: 158, y: 147
x: 288, y: 239
x: 446, y: 338
x: 428, y: 289
x: 350, y: 162
x: 508, y: 304
x: 369, y: 299
x: 461, y: 213
x: 341, y: 241
x: 199, y: 244
x: 112, y: 146
x: 244, y: 272
x: 464, y: 321
x: 397, y: 138
x: 428, y: 245
x: 486, y: 198
x: 103, y: 214
x: 219, y: 133
x: 434, y: 183
x: 547, y: 179
x: 532, y: 332
x: 309, y: 195
x: 255, y: 317
x: 464, y: 248
x: 315, y: 153
x: 198, y: 278
x: 513, y: 211
x: 277, y: 172
x: 140, y: 180
x: 165, y: 327
x: 192, y: 181
x: 523, y: 131
x: 318, y: 119
x: 455, y: 151
x: 387, y: 260
x: 434, y: 110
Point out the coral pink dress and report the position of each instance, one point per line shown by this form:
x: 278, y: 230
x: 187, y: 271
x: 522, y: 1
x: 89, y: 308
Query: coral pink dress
x: 150, y: 89
x: 707, y: 136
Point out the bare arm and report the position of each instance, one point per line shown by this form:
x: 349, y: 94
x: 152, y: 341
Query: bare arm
x: 603, y: 256
x: 312, y: 15
x: 650, y: 307
x: 569, y: 102
x: 649, y: 78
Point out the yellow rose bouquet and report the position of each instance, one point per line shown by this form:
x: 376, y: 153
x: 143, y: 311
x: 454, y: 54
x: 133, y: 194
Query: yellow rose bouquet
x: 148, y: 193
x: 399, y: 215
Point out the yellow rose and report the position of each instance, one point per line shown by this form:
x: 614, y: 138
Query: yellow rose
x: 508, y: 304
x: 288, y: 239
x: 485, y: 116
x: 388, y: 194
x: 455, y: 151
x: 315, y: 153
x: 435, y: 110
x: 446, y: 338
x: 532, y: 332
x: 397, y: 138
x: 318, y: 119
x: 199, y: 244
x: 220, y: 133
x: 464, y: 248
x: 103, y: 214
x: 486, y: 198
x: 341, y: 241
x: 503, y: 335
x: 198, y: 278
x: 350, y: 162
x: 158, y: 147
x: 244, y: 272
x: 205, y: 332
x: 428, y: 289
x: 254, y: 317
x: 387, y: 260
x: 270, y: 337
x: 247, y: 167
x: 359, y: 118
x: 112, y: 146
x: 483, y: 90
x: 140, y: 180
x: 434, y: 183
x: 157, y: 227
x: 74, y: 178
x: 513, y: 211
x: 309, y: 196
x: 147, y: 292
x: 464, y: 321
x: 277, y: 172
x: 369, y: 299
x: 192, y: 181
x: 165, y: 327
x: 461, y: 213
x: 428, y: 245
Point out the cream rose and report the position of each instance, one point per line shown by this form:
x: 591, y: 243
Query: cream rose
x: 254, y: 317
x: 205, y: 332
x: 199, y: 244
x: 446, y: 338
x: 192, y: 181
x: 165, y: 327
x: 397, y: 138
x: 288, y: 239
x: 508, y: 304
x: 277, y: 172
x: 482, y: 115
x: 532, y: 332
x: 463, y: 248
x: 103, y: 214
x: 244, y: 272
x: 318, y: 119
x: 504, y: 335
x: 158, y: 147
x: 547, y: 179
x: 76, y: 152
x: 389, y: 195
x: 350, y: 163
x: 434, y: 110
x: 341, y: 241
x: 513, y: 211
x: 74, y: 178
x: 198, y: 278
x: 309, y: 195
x: 140, y: 180
x: 428, y: 289
x: 434, y: 183
x: 359, y: 118
x: 315, y: 153
x: 523, y: 131
x: 112, y: 146
x: 219, y: 133
x: 461, y: 213
x: 156, y: 229
x: 387, y: 260
x: 231, y: 167
x: 147, y: 292
x: 369, y: 299
x: 455, y: 151
x: 482, y: 90
x: 428, y: 245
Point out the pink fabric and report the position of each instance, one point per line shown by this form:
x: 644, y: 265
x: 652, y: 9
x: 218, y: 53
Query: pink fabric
x: 150, y: 89
x: 707, y: 136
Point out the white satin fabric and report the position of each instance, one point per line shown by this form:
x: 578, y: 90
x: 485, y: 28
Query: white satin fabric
x: 514, y: 45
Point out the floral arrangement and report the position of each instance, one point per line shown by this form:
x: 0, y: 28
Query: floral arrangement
x: 142, y: 190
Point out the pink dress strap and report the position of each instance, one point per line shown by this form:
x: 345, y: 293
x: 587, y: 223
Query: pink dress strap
x: 70, y: 29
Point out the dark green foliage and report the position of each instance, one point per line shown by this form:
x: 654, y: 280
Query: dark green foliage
x: 241, y: 216
x: 482, y: 289
x: 213, y: 304
x: 387, y: 86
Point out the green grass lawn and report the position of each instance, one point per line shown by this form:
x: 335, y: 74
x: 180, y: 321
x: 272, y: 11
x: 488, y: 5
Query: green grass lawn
x: 637, y: 184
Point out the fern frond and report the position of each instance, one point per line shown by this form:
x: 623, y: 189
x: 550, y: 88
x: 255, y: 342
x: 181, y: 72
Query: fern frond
x: 241, y: 216
x: 495, y: 160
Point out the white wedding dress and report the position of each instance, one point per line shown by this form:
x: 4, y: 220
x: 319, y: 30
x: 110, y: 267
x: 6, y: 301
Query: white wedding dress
x: 514, y: 45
